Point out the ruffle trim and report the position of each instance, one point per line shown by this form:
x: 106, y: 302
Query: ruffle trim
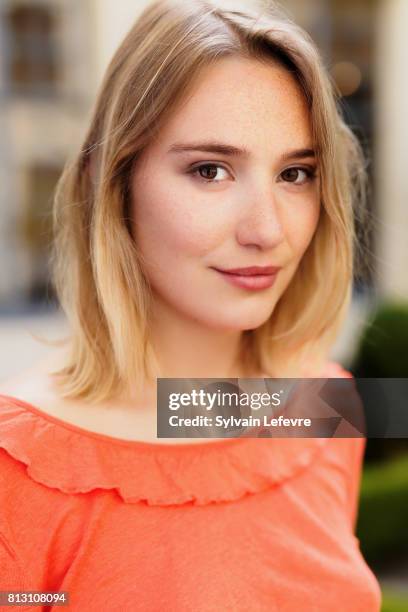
x: 59, y: 456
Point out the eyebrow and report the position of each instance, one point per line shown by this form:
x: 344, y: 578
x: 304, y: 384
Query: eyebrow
x: 232, y: 151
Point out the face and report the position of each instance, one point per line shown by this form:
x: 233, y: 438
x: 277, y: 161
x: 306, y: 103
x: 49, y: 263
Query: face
x: 230, y: 182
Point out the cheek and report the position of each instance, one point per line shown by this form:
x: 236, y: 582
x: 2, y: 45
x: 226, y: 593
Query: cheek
x: 170, y: 225
x: 301, y: 225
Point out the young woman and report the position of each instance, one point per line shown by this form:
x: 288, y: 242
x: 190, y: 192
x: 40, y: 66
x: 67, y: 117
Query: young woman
x: 215, y: 147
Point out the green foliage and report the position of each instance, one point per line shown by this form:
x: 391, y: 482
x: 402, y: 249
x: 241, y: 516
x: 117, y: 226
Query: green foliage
x: 382, y: 352
x: 382, y: 519
x: 393, y: 602
x: 383, y: 348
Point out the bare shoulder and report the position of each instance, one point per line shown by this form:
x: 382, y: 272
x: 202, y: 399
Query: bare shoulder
x: 34, y: 385
x: 118, y: 418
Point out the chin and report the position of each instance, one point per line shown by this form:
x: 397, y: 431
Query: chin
x: 238, y: 323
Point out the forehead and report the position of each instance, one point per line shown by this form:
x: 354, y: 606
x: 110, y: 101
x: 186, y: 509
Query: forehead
x: 242, y: 101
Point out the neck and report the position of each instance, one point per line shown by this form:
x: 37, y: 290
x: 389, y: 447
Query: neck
x: 185, y: 348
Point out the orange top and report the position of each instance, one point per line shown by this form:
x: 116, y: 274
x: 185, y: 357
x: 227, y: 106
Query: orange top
x: 240, y: 524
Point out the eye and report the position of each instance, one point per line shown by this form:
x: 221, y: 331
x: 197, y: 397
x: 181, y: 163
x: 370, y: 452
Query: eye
x: 208, y: 172
x: 298, y: 175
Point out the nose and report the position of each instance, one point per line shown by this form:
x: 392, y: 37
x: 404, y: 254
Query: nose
x: 259, y: 223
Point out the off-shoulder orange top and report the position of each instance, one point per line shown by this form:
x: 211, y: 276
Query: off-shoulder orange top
x: 245, y: 524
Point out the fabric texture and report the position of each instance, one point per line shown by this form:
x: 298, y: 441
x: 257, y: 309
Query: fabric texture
x: 240, y: 524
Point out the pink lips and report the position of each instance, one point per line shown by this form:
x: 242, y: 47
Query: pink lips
x: 253, y: 278
x: 252, y: 270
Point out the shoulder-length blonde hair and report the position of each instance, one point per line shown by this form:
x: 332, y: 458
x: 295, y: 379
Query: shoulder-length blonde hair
x: 97, y: 269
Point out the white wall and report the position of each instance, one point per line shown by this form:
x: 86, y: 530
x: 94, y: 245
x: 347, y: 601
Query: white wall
x: 392, y: 147
x: 112, y: 20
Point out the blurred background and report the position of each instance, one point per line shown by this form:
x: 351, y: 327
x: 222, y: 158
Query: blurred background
x: 52, y: 57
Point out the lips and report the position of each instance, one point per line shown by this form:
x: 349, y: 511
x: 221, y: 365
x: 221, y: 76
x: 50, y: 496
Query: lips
x: 252, y: 279
x: 251, y: 271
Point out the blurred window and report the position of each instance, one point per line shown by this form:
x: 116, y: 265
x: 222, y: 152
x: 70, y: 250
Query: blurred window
x: 31, y: 65
x: 36, y: 227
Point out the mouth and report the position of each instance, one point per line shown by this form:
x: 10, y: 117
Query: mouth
x: 252, y: 281
x: 252, y: 270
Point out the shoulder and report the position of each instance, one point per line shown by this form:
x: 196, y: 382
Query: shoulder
x: 34, y: 385
x: 27, y: 386
x: 333, y: 369
x: 21, y: 385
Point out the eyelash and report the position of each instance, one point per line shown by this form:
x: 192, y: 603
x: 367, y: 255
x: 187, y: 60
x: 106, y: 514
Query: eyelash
x: 310, y: 172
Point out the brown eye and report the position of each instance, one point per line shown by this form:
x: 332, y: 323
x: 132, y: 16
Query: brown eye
x: 294, y: 175
x: 208, y: 172
x: 290, y: 174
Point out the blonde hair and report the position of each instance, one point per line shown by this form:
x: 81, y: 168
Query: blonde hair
x: 97, y: 268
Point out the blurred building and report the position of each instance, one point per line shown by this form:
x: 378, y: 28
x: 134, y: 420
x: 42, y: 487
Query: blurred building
x: 52, y: 57
x: 366, y: 49
x: 46, y: 84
